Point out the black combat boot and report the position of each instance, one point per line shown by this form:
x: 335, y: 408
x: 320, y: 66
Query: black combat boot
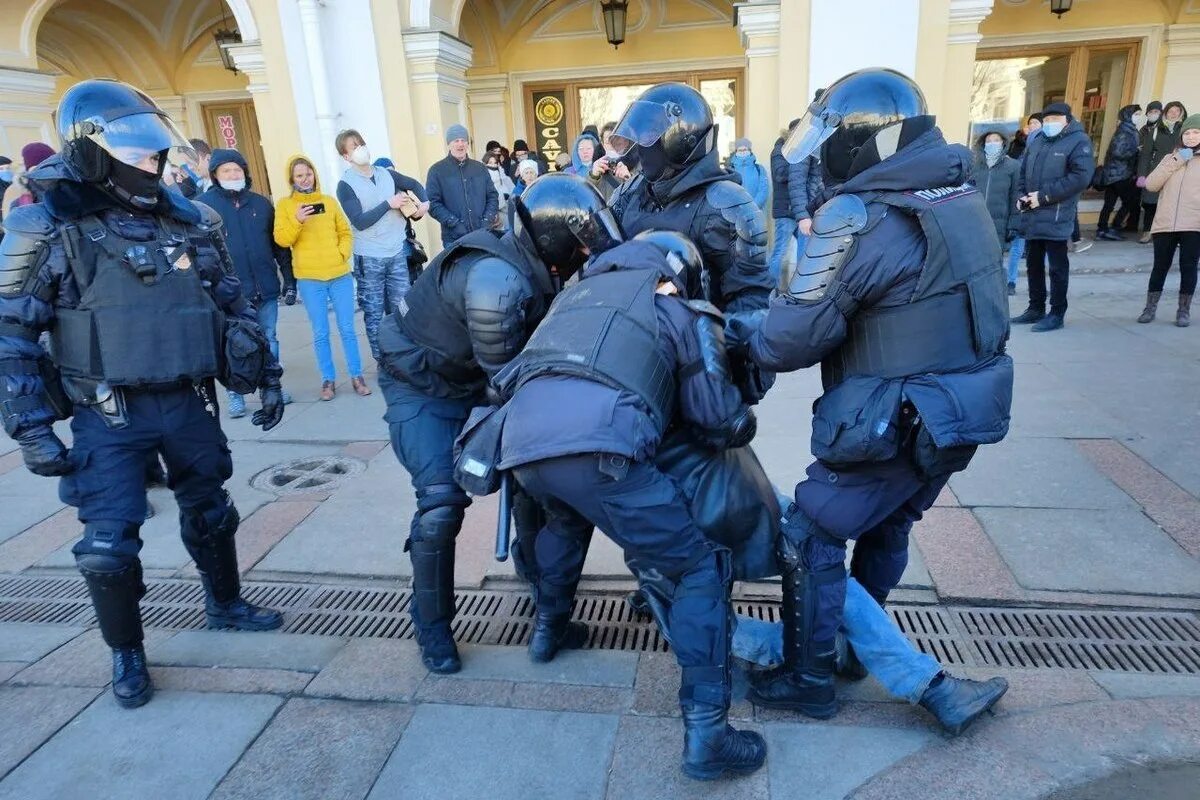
x: 131, y: 684
x: 208, y: 535
x: 712, y: 747
x: 553, y: 632
x: 957, y: 702
x: 433, y: 604
x: 115, y: 584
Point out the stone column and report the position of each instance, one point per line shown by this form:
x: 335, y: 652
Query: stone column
x: 758, y: 24
x: 1183, y: 66
x: 437, y: 66
x: 487, y: 101
x: 26, y: 104
x: 953, y: 110
x: 310, y: 22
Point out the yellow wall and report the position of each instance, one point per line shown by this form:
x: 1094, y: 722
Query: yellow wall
x: 1033, y: 16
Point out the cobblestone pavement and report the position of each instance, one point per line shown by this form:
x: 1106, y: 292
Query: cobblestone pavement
x: 1090, y: 510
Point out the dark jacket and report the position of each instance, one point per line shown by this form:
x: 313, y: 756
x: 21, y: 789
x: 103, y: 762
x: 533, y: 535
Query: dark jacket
x: 732, y: 236
x: 1059, y: 169
x: 998, y: 184
x: 65, y: 200
x: 249, y: 231
x: 794, y: 186
x: 1120, y: 160
x: 1156, y: 142
x: 462, y: 197
x: 1016, y: 147
x: 593, y: 417
x: 886, y: 268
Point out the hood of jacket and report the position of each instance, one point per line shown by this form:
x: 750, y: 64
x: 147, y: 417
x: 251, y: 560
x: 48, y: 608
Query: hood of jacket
x: 631, y: 255
x: 706, y: 170
x: 223, y: 156
x: 1126, y: 113
x: 576, y: 162
x: 287, y: 175
x: 927, y: 163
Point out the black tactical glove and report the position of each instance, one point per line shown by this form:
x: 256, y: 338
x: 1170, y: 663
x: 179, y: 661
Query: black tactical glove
x: 271, y: 412
x: 740, y: 326
x: 289, y: 296
x: 44, y: 452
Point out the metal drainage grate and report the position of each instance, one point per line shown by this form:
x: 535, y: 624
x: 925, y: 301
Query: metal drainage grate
x: 317, y: 474
x: 1123, y: 641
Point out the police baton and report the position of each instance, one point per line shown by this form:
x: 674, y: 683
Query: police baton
x: 504, y: 519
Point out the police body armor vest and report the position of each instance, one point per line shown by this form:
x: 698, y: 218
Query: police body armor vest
x: 144, y: 317
x: 958, y: 315
x: 677, y: 215
x: 431, y: 313
x: 605, y: 329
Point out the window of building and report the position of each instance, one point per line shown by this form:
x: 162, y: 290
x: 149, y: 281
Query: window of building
x: 1096, y: 80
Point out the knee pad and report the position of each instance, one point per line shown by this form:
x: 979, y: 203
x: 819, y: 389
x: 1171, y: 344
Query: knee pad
x: 211, y: 522
x: 110, y: 539
x: 440, y: 524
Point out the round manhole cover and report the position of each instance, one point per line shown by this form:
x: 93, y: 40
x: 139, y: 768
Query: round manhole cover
x: 316, y: 474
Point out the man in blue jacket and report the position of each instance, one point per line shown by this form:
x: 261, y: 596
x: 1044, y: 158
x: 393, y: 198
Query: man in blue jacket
x: 1056, y: 169
x: 249, y: 220
x: 901, y: 298
x: 462, y: 197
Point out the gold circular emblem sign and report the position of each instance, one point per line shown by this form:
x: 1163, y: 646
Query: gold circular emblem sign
x: 549, y: 111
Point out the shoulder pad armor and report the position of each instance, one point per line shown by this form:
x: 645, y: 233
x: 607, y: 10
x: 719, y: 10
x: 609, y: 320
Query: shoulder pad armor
x: 831, y: 244
x: 28, y: 231
x: 210, y: 220
x: 707, y: 309
x: 727, y: 194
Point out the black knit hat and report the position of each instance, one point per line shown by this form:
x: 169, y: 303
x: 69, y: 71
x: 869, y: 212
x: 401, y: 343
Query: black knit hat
x: 1154, y: 105
x: 1057, y: 108
x: 520, y: 145
x: 491, y: 145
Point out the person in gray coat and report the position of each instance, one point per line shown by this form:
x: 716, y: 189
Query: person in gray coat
x: 1056, y: 169
x: 998, y: 176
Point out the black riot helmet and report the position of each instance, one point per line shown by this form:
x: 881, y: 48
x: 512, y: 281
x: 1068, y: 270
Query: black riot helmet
x: 682, y: 254
x: 863, y: 119
x: 107, y: 128
x: 672, y: 127
x: 566, y: 219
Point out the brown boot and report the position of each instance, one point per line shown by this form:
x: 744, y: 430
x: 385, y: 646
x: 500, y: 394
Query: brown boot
x: 1183, y: 317
x: 327, y: 390
x: 360, y: 386
x: 1151, y: 307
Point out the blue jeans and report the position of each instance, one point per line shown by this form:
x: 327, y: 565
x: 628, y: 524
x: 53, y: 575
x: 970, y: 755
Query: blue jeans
x: 268, y: 320
x: 886, y: 653
x: 1015, y: 250
x: 382, y: 284
x: 316, y: 295
x: 785, y: 230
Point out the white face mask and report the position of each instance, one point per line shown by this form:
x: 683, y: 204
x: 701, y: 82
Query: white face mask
x: 233, y: 186
x: 1152, y: 116
x: 361, y: 155
x: 1138, y: 120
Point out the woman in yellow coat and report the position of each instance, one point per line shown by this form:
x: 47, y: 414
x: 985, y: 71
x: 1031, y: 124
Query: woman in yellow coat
x: 314, y: 226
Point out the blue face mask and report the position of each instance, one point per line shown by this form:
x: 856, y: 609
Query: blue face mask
x: 6, y: 174
x: 1052, y: 129
x: 993, y: 148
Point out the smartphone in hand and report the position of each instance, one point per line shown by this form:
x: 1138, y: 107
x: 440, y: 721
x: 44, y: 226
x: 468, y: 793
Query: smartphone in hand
x: 317, y: 208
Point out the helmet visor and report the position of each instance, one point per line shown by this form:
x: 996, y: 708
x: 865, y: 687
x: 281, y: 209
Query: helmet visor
x: 598, y: 231
x: 131, y: 138
x: 642, y: 125
x: 813, y: 129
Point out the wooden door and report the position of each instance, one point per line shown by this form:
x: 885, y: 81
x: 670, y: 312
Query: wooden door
x: 232, y: 124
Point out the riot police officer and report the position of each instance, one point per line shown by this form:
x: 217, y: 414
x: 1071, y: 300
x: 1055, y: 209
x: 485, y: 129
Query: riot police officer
x: 141, y: 304
x: 684, y: 189
x: 467, y: 315
x: 900, y: 297
x: 618, y: 354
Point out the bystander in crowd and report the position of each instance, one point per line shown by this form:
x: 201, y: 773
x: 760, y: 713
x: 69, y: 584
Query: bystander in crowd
x: 462, y: 197
x: 314, y: 226
x: 753, y: 176
x: 998, y: 177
